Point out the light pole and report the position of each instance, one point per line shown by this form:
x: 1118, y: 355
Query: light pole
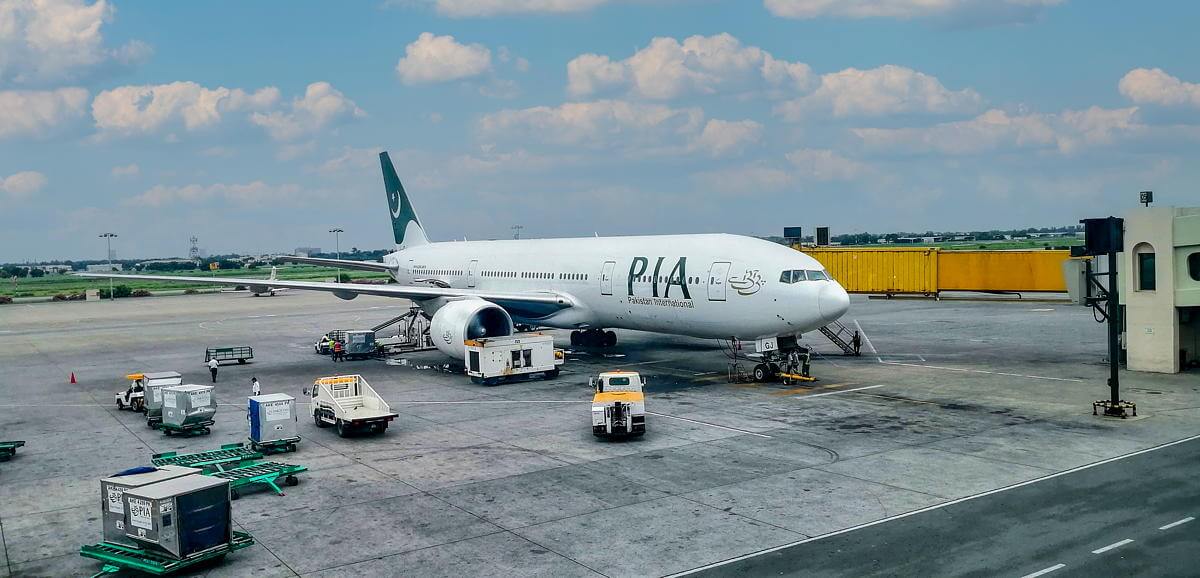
x: 108, y: 237
x: 337, y: 243
x: 517, y: 229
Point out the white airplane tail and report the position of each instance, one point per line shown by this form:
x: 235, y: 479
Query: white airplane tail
x: 405, y: 226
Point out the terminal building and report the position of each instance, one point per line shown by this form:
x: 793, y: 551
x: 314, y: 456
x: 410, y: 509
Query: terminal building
x: 1160, y: 289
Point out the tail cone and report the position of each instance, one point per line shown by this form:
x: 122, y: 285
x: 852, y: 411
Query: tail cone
x: 72, y: 377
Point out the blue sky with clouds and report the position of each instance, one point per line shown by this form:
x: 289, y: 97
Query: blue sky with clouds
x: 255, y: 126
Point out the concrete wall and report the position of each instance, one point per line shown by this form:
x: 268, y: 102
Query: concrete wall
x: 1151, y: 322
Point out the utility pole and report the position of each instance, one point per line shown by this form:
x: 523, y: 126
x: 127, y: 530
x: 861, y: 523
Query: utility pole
x: 517, y: 231
x: 337, y: 243
x: 108, y: 237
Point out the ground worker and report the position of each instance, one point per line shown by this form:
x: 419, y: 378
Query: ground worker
x: 856, y: 342
x: 255, y: 388
x: 337, y: 351
x: 212, y: 368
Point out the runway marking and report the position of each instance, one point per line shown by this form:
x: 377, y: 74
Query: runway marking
x: 803, y: 389
x: 1045, y: 571
x: 823, y: 394
x: 1113, y: 545
x: 645, y: 362
x: 479, y: 402
x: 709, y: 424
x: 1177, y: 523
x: 933, y: 507
x: 868, y: 341
x: 961, y: 369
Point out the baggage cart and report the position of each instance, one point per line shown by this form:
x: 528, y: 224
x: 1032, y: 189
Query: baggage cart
x: 188, y: 409
x: 241, y: 354
x: 266, y: 473
x: 117, y: 558
x: 272, y: 420
x: 211, y: 460
x: 192, y: 429
x: 9, y: 449
x: 112, y: 506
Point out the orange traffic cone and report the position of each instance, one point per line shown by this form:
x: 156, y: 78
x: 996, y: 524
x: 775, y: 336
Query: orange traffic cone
x: 72, y: 377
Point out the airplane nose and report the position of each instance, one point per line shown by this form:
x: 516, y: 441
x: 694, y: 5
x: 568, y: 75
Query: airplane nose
x: 833, y: 301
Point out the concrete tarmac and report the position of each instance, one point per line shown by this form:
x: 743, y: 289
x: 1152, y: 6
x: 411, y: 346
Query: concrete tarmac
x: 949, y: 400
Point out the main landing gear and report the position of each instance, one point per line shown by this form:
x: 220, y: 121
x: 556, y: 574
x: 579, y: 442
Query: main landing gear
x: 593, y: 338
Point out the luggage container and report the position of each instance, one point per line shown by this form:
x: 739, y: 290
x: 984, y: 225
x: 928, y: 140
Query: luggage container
x: 188, y: 408
x: 154, y: 382
x: 272, y: 422
x: 359, y: 344
x: 180, y: 517
x: 112, y: 506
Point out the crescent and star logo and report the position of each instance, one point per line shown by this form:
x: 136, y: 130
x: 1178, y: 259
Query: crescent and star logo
x: 394, y: 201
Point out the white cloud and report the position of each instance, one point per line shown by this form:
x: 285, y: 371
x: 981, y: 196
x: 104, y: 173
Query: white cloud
x: 22, y: 184
x: 825, y: 165
x: 130, y: 170
x: 37, y: 113
x: 720, y: 137
x: 350, y: 160
x: 992, y: 11
x: 431, y: 59
x: 146, y: 109
x: 256, y: 192
x: 322, y: 105
x: 51, y: 41
x: 1154, y: 86
x: 700, y: 64
x: 888, y: 89
x: 593, y: 124
x: 476, y: 8
x: 995, y: 129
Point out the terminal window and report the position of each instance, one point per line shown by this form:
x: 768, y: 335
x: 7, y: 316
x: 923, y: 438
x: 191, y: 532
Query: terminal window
x: 1145, y: 262
x: 1194, y: 266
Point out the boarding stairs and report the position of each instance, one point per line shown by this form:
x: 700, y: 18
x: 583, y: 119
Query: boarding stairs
x: 840, y: 335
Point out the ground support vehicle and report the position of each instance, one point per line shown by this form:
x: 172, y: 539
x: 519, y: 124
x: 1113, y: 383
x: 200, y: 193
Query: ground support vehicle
x: 117, y: 558
x: 9, y: 449
x: 321, y: 346
x: 241, y: 354
x: 492, y: 360
x: 267, y: 473
x: 142, y: 391
x: 619, y: 406
x: 134, y: 396
x: 348, y: 403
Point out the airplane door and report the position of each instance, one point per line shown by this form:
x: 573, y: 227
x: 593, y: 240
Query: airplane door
x: 716, y: 281
x: 606, y: 277
x: 471, y: 273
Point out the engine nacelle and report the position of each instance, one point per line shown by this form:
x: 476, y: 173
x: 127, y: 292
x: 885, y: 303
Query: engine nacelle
x: 458, y: 321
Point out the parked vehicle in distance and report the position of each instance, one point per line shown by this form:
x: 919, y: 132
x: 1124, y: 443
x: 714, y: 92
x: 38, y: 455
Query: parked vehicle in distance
x: 348, y: 403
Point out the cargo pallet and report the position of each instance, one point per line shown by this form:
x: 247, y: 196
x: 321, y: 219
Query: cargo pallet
x: 260, y: 473
x: 239, y: 354
x: 117, y: 558
x: 275, y: 446
x: 191, y: 429
x: 212, y: 459
x: 9, y: 449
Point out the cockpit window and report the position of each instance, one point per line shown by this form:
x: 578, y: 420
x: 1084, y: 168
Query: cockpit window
x: 817, y: 276
x: 798, y: 275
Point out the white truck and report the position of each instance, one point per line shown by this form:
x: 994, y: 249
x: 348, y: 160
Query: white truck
x: 491, y: 360
x: 348, y: 403
x: 619, y: 406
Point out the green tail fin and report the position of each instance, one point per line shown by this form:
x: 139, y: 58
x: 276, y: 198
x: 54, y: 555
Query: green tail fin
x: 405, y: 226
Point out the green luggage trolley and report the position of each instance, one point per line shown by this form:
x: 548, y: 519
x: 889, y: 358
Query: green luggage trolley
x: 117, y: 558
x: 211, y: 460
x: 267, y: 473
x: 9, y: 449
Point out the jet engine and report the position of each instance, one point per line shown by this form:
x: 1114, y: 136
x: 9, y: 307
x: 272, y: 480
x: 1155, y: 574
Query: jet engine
x: 458, y: 321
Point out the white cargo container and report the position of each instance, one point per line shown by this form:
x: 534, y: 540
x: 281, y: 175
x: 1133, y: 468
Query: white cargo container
x: 349, y: 403
x: 154, y: 382
x: 188, y: 406
x: 491, y: 360
x: 112, y: 506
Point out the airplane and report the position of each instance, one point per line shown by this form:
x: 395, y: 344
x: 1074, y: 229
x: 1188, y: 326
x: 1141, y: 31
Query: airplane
x: 717, y: 286
x: 260, y: 289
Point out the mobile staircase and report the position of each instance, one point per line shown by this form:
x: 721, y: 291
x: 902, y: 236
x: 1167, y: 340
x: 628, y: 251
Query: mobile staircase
x: 840, y: 335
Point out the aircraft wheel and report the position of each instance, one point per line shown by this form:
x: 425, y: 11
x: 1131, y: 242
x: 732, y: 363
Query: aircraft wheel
x: 761, y: 371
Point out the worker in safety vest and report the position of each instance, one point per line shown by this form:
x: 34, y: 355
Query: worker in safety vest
x: 337, y: 351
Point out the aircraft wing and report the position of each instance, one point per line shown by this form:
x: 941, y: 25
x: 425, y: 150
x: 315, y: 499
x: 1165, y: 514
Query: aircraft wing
x: 545, y: 301
x: 343, y: 263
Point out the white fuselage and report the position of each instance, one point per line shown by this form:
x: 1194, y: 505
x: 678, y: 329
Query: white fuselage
x: 711, y: 285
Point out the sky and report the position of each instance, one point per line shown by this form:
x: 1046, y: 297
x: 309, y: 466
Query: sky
x: 255, y: 126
